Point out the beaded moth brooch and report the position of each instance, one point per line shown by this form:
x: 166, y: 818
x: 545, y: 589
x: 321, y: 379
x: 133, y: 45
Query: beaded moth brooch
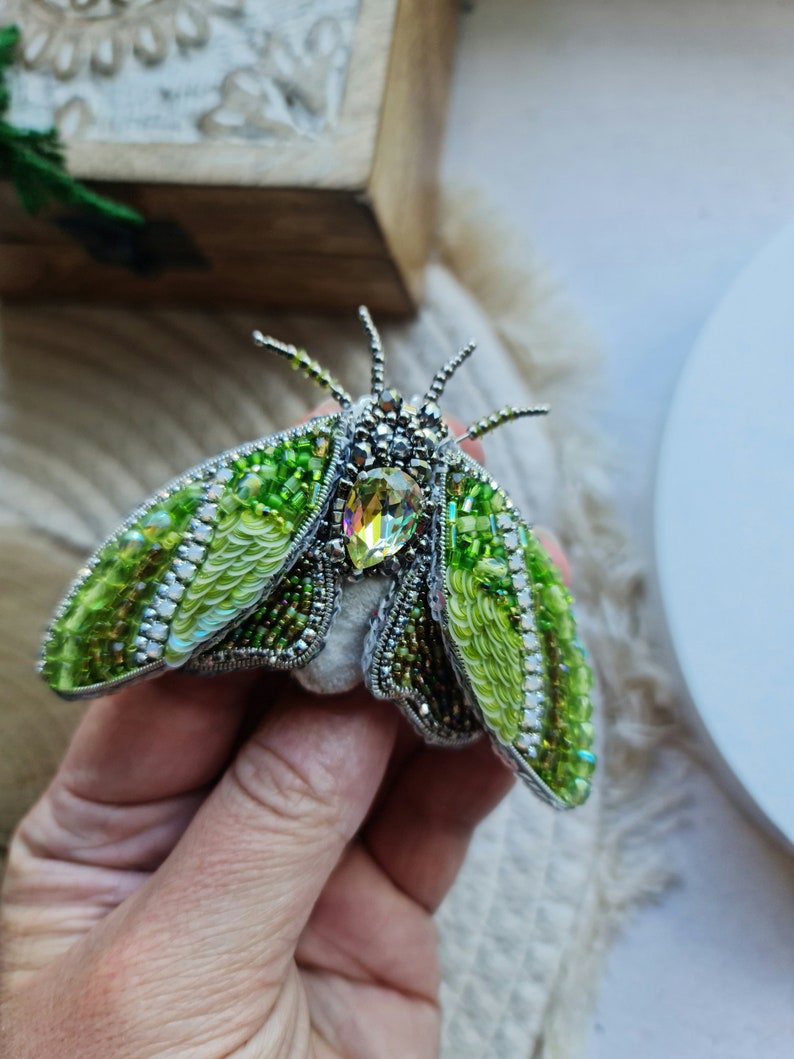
x: 237, y: 563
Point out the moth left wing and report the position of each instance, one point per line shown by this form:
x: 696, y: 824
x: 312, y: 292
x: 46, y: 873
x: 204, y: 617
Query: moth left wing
x: 510, y: 632
x: 194, y: 560
x: 286, y: 629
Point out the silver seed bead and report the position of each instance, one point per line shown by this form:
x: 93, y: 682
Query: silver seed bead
x: 158, y: 631
x: 184, y: 570
x: 165, y: 608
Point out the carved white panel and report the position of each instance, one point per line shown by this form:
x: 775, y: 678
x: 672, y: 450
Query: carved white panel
x: 182, y: 71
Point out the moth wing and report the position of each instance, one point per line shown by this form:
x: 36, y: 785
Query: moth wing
x: 286, y: 629
x: 193, y: 560
x: 509, y: 629
x: 405, y: 661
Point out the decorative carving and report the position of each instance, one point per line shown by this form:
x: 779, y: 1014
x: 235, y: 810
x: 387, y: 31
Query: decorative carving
x: 74, y: 118
x: 69, y: 36
x: 288, y: 91
x: 271, y: 71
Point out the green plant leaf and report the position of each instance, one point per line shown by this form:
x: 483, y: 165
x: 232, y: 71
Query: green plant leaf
x: 33, y: 160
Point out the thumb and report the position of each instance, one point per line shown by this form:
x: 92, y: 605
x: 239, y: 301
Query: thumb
x: 235, y: 895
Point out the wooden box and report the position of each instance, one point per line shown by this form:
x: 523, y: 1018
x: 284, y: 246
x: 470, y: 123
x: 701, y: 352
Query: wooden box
x: 282, y: 151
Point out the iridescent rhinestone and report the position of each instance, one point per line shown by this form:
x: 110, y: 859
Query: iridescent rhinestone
x: 380, y: 515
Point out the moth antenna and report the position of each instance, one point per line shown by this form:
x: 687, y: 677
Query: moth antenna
x: 444, y: 374
x: 376, y: 346
x: 302, y: 362
x: 498, y: 419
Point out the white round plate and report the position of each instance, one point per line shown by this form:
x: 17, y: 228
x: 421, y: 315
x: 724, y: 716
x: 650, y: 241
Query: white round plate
x: 724, y: 526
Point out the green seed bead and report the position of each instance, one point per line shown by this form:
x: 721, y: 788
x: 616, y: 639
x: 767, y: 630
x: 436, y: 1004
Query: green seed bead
x: 68, y: 650
x: 583, y: 734
x: 577, y: 791
x: 556, y: 600
x: 583, y: 764
x: 97, y: 596
x: 565, y: 628
x: 249, y: 486
x: 580, y: 680
x: 155, y: 524
x: 580, y: 708
x: 131, y: 544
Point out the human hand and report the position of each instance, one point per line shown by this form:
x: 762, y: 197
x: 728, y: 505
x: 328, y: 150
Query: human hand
x: 228, y: 866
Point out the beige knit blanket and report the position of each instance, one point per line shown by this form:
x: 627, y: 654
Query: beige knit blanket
x: 98, y: 407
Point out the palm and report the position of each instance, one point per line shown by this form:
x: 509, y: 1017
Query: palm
x: 368, y: 968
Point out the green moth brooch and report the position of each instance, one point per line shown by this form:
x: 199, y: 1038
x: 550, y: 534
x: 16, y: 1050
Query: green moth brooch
x: 238, y: 563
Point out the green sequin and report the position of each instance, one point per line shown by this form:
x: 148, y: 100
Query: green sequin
x: 267, y: 499
x: 484, y: 621
x: 93, y: 640
x: 264, y: 506
x: 482, y: 610
x: 285, y: 615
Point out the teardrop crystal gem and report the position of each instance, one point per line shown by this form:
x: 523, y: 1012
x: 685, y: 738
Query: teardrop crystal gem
x: 380, y: 515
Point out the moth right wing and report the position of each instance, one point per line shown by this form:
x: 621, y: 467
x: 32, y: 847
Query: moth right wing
x: 510, y: 633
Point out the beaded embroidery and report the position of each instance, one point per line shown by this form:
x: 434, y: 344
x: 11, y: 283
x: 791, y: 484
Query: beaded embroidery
x: 238, y: 562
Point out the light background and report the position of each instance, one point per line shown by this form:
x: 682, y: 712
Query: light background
x: 645, y: 148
